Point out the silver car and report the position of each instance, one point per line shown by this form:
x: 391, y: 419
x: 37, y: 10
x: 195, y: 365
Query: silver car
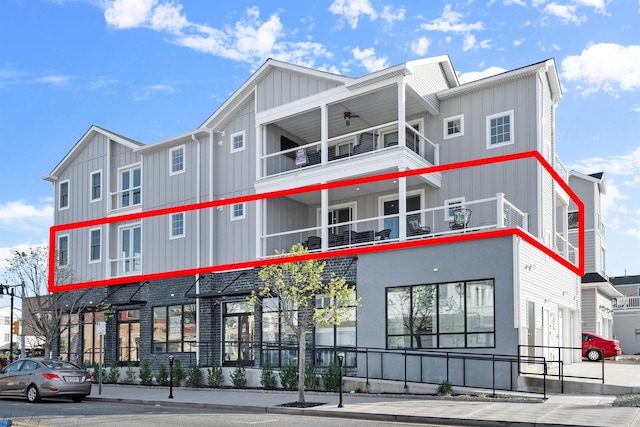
x: 37, y: 378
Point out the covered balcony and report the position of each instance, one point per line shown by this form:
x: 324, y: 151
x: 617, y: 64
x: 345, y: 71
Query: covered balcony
x: 372, y: 131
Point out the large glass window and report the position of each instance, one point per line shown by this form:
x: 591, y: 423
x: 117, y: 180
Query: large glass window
x: 69, y: 343
x: 331, y: 338
x: 174, y: 328
x: 63, y: 250
x: 96, y: 237
x: 131, y: 248
x: 279, y: 342
x: 445, y: 315
x: 90, y: 339
x: 129, y: 336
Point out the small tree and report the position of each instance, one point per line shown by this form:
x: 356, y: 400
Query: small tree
x: 146, y: 377
x: 297, y: 284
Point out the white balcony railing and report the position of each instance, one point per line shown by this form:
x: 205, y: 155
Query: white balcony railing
x: 559, y: 167
x: 566, y: 249
x: 626, y: 303
x: 490, y: 213
x: 129, y: 266
x: 352, y: 145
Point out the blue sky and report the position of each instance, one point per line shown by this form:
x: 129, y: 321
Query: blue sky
x: 152, y: 69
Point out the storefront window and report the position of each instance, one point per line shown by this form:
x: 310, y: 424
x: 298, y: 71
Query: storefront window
x: 174, y: 329
x: 129, y: 336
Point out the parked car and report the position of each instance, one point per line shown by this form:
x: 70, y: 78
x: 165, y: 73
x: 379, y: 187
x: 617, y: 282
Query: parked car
x: 595, y: 348
x: 38, y: 378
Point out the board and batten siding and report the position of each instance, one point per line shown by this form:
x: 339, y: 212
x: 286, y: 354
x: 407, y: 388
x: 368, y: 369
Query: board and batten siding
x: 427, y: 80
x: 589, y: 309
x: 282, y: 86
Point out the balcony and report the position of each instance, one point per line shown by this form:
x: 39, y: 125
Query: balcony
x: 486, y: 214
x: 626, y: 303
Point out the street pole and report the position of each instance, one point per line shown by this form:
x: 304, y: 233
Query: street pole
x: 171, y: 376
x: 10, y: 292
x: 340, y: 360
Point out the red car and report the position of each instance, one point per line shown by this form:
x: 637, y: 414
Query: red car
x: 595, y: 348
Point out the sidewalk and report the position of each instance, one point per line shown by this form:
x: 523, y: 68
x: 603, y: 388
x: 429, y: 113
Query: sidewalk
x: 557, y: 410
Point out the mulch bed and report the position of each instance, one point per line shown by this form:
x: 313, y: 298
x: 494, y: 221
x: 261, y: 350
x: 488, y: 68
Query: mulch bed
x: 301, y: 404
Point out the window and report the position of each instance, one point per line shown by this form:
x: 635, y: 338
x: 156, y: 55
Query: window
x: 131, y: 249
x: 95, y: 244
x: 96, y: 186
x: 452, y: 205
x: 129, y: 336
x: 499, y: 129
x: 69, y: 340
x: 176, y: 156
x: 177, y: 225
x: 454, y: 126
x: 174, y: 328
x: 64, y: 195
x: 90, y: 339
x: 329, y: 338
x: 63, y: 250
x: 130, y: 187
x: 445, y: 315
x: 237, y: 211
x: 237, y: 141
x: 280, y: 342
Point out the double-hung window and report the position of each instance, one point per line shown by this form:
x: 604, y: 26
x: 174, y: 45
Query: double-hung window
x: 177, y: 225
x: 63, y: 250
x: 176, y: 165
x: 500, y: 129
x: 96, y: 186
x: 63, y: 197
x: 130, y: 186
x: 95, y: 245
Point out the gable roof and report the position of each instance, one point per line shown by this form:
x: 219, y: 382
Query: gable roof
x: 84, y: 140
x: 596, y: 178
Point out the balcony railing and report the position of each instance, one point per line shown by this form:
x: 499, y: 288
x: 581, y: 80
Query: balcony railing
x: 129, y: 266
x: 352, y: 145
x: 626, y: 303
x: 559, y: 167
x: 566, y: 249
x: 126, y: 199
x: 490, y: 213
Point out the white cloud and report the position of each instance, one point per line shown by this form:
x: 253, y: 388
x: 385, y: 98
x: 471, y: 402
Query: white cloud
x: 167, y: 17
x: 53, y: 80
x: 565, y: 12
x: 516, y: 2
x: 598, y: 5
x: 390, y: 16
x: 128, y: 13
x: 469, y: 42
x: 624, y: 164
x: 351, y: 10
x: 518, y: 42
x: 420, y: 46
x: 449, y: 22
x: 368, y: 60
x: 604, y: 66
x: 477, y: 75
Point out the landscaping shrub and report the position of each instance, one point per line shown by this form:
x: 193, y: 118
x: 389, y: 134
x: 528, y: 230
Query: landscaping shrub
x: 194, y: 376
x: 331, y: 378
x: 146, y: 378
x: 444, y: 389
x: 178, y: 372
x: 268, y: 379
x: 114, y: 373
x: 289, y: 376
x: 239, y: 377
x: 130, y: 374
x: 163, y: 375
x: 311, y: 379
x: 215, y: 376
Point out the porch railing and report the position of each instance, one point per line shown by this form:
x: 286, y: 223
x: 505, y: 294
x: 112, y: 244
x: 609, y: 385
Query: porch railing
x: 626, y: 303
x: 352, y: 145
x: 566, y: 249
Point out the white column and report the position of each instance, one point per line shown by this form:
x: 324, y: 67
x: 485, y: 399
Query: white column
x: 324, y: 134
x: 402, y: 133
x: 402, y: 208
x: 500, y: 210
x: 324, y: 218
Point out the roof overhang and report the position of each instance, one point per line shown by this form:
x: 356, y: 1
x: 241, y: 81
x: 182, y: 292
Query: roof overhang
x: 173, y: 141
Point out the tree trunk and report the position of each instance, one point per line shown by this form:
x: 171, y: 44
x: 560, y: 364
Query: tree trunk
x: 301, y: 365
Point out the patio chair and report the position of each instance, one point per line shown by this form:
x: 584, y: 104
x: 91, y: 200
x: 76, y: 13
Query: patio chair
x: 461, y: 219
x: 366, y: 143
x: 314, y: 242
x: 365, y: 236
x: 416, y: 229
x: 383, y: 234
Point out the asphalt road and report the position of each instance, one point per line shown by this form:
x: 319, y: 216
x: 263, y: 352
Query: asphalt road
x: 54, y: 413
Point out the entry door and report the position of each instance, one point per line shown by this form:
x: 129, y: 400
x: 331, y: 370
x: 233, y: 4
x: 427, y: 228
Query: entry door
x: 238, y: 339
x: 338, y: 216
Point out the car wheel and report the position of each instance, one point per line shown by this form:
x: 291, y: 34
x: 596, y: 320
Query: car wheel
x: 33, y: 395
x: 593, y: 355
x: 79, y: 398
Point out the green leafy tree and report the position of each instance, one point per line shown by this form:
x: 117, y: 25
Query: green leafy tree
x: 297, y: 284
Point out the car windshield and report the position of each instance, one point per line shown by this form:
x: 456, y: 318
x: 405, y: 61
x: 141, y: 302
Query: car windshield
x: 59, y: 365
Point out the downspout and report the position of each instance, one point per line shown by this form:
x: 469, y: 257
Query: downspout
x: 198, y: 242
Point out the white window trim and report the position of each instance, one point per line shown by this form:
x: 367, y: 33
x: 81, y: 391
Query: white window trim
x: 512, y: 131
x: 184, y: 226
x: 68, y: 182
x: 60, y: 237
x: 446, y: 126
x: 354, y: 213
x: 447, y: 205
x: 120, y: 260
x: 244, y: 141
x: 391, y: 129
x: 95, y: 261
x: 232, y: 211
x: 119, y: 192
x: 92, y: 200
x: 178, y: 172
x: 396, y: 196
